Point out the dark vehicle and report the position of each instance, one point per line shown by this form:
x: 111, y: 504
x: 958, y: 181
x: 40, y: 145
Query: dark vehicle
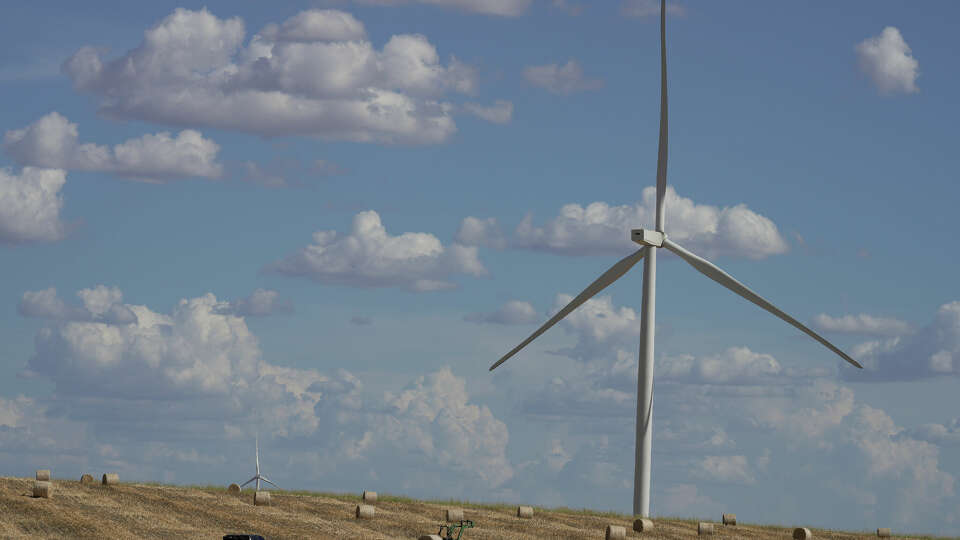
x: 455, y: 529
x: 242, y: 537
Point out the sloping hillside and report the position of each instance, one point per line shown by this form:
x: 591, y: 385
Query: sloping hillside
x: 152, y: 511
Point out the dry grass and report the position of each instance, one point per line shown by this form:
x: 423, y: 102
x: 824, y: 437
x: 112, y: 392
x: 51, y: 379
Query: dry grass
x: 129, y: 510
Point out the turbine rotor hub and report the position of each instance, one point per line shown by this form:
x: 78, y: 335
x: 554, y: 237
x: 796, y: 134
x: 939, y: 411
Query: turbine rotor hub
x: 647, y: 237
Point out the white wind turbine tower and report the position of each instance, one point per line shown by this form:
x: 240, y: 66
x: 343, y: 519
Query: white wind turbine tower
x: 651, y: 240
x: 258, y: 477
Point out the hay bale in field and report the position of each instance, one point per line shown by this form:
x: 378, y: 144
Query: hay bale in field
x: 261, y: 498
x: 729, y: 519
x: 86, y: 479
x: 704, y: 529
x: 525, y: 512
x: 43, y: 475
x: 642, y: 525
x: 365, y: 511
x: 884, y: 532
x: 42, y: 489
x: 452, y: 514
x: 233, y: 489
x: 616, y: 531
x: 369, y: 497
x: 802, y: 533
x: 110, y: 479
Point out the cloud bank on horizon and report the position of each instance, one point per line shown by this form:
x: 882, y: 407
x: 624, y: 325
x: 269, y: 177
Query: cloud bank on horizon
x: 203, y: 364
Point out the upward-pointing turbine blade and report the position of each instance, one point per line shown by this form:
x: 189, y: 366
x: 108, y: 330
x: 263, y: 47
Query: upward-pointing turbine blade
x: 710, y: 270
x: 608, y: 277
x: 662, y: 149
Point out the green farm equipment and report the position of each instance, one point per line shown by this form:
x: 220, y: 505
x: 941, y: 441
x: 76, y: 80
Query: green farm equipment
x: 455, y: 528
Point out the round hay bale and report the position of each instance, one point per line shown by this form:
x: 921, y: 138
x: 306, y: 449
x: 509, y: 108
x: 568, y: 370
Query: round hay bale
x: 233, y: 489
x: 43, y: 475
x: 452, y: 514
x: 729, y: 519
x: 110, y: 478
x: 86, y: 479
x: 369, y: 497
x: 802, y: 533
x: 642, y: 525
x: 42, y: 489
x: 704, y: 528
x: 884, y: 532
x: 365, y: 511
x: 261, y: 498
x: 431, y: 537
x: 616, y: 531
x: 525, y: 512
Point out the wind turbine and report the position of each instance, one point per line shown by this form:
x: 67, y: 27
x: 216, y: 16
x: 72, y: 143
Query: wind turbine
x: 651, y: 240
x: 259, y: 476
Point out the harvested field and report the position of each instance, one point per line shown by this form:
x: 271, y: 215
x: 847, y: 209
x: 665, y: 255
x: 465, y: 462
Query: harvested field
x: 129, y: 510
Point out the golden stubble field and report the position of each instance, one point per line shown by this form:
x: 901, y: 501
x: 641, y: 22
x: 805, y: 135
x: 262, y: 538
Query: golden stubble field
x: 154, y: 511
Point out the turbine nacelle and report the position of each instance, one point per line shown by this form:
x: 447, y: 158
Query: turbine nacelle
x: 646, y: 237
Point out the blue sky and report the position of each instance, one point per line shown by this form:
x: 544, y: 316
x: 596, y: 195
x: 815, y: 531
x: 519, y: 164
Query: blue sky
x: 171, y: 174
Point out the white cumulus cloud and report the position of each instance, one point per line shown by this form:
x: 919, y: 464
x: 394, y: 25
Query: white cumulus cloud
x: 512, y: 312
x: 501, y: 112
x: 913, y: 463
x: 599, y: 326
x: 260, y: 303
x: 30, y: 204
x: 732, y: 469
x: 162, y: 394
x: 861, y: 324
x: 939, y: 434
x: 313, y: 74
x: 194, y: 350
x: 602, y: 229
x: 687, y: 500
x: 828, y: 404
x: 504, y: 8
x: 433, y: 416
x: 903, y: 470
x: 316, y: 25
x: 931, y: 351
x: 53, y: 142
x: 13, y: 411
x: 888, y: 61
x: 736, y: 365
x: 100, y: 304
x: 370, y: 257
x: 481, y: 232
x: 562, y: 80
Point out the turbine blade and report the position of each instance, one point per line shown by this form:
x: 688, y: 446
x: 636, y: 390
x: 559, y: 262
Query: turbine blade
x: 248, y: 481
x: 662, y: 148
x: 608, y: 277
x: 710, y: 270
x: 267, y: 480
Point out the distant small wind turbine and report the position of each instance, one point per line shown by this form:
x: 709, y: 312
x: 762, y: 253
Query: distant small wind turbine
x: 650, y: 240
x: 259, y: 476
